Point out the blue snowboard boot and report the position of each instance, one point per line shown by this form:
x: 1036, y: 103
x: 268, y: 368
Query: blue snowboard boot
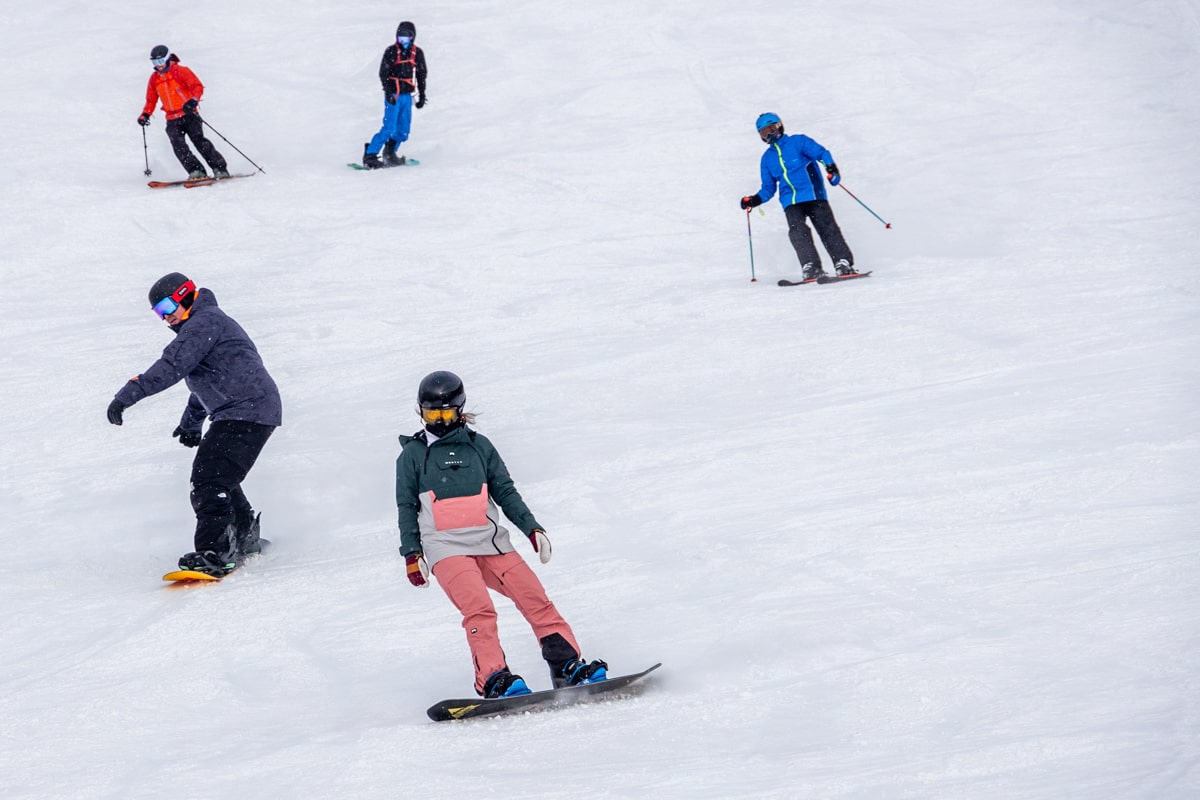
x: 577, y: 671
x: 504, y: 684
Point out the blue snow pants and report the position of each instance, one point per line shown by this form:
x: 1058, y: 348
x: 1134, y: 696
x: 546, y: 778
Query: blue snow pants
x: 397, y: 121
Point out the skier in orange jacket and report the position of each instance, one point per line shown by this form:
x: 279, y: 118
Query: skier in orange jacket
x: 179, y: 91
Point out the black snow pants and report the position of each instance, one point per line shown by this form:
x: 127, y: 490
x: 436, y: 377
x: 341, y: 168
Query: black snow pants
x: 827, y: 228
x: 225, y: 455
x: 189, y: 125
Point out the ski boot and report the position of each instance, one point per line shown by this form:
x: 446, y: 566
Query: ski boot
x: 197, y: 175
x: 390, y: 159
x: 844, y: 267
x: 577, y: 672
x: 813, y: 272
x: 220, y: 174
x: 504, y: 684
x: 209, y: 563
x: 371, y: 160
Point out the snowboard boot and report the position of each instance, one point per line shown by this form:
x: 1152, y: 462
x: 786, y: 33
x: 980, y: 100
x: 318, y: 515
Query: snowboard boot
x: 504, y: 684
x: 209, y: 563
x: 390, y: 159
x: 371, y: 160
x: 578, y: 672
x: 844, y: 267
x: 197, y: 174
x: 813, y: 271
x: 248, y: 542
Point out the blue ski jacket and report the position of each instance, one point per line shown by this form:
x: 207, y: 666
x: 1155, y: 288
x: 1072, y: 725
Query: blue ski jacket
x: 221, y: 367
x: 791, y: 165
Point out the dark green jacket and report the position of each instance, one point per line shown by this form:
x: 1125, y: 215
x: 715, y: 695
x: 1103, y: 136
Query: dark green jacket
x: 447, y: 495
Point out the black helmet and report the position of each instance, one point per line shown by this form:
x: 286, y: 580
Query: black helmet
x: 159, y: 51
x: 176, y: 286
x: 406, y: 28
x: 440, y: 401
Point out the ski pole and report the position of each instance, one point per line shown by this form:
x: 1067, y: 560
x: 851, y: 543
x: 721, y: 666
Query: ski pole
x: 234, y: 146
x: 886, y: 224
x: 750, y: 237
x: 146, y: 151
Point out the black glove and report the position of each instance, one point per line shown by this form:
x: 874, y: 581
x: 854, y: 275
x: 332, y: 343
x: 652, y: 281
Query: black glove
x: 750, y: 201
x: 144, y: 120
x: 835, y: 177
x: 187, y: 438
x: 421, y: 101
x: 115, y: 409
x: 390, y: 98
x: 190, y: 106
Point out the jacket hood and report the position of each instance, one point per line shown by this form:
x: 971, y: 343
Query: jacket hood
x: 406, y: 28
x: 205, y: 300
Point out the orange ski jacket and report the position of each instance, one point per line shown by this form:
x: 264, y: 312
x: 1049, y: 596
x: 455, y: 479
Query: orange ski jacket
x: 173, y: 87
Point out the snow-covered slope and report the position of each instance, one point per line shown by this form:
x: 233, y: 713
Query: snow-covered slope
x: 930, y: 534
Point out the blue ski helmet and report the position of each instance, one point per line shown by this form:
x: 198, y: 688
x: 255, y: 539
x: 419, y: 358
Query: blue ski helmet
x: 766, y: 119
x: 772, y: 121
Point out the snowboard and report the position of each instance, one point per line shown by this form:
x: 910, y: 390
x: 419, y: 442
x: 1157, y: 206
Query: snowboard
x: 191, y: 183
x: 825, y: 279
x: 187, y: 577
x: 551, y: 698
x: 408, y: 162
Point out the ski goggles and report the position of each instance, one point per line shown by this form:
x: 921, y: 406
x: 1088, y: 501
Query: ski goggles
x: 169, y: 305
x: 158, y: 62
x: 771, y: 132
x: 433, y: 415
x: 404, y: 41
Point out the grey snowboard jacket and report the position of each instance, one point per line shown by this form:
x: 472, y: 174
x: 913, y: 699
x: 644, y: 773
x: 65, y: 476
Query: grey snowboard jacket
x: 221, y: 367
x: 447, y: 494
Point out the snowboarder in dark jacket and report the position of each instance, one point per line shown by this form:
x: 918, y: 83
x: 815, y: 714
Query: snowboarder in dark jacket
x: 402, y: 74
x: 229, y: 386
x: 793, y: 165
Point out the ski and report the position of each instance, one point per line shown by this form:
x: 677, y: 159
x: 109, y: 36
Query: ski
x: 825, y: 279
x: 408, y: 162
x: 190, y: 577
x: 191, y: 183
x: 551, y: 698
x: 840, y: 278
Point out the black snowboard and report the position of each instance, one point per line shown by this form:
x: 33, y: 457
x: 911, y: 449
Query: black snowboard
x: 551, y: 698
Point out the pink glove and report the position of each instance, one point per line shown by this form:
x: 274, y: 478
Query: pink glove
x: 417, y: 570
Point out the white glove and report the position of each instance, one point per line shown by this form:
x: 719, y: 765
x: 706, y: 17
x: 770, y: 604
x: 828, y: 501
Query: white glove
x: 541, y: 544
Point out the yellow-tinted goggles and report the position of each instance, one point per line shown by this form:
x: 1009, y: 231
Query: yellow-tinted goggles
x: 432, y: 415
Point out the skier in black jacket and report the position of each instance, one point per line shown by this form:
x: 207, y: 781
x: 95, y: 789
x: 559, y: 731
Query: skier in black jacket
x: 402, y: 73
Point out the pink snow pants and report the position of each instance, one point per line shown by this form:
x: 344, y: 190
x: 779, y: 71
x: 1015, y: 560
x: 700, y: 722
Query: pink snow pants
x: 466, y: 580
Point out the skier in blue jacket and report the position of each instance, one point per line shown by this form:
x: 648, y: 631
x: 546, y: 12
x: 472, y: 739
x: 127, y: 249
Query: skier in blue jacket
x: 233, y: 390
x: 792, y: 164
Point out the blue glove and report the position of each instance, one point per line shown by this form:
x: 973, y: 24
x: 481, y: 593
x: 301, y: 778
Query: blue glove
x: 835, y: 177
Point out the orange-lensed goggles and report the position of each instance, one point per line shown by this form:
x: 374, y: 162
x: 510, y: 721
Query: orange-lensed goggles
x: 432, y: 415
